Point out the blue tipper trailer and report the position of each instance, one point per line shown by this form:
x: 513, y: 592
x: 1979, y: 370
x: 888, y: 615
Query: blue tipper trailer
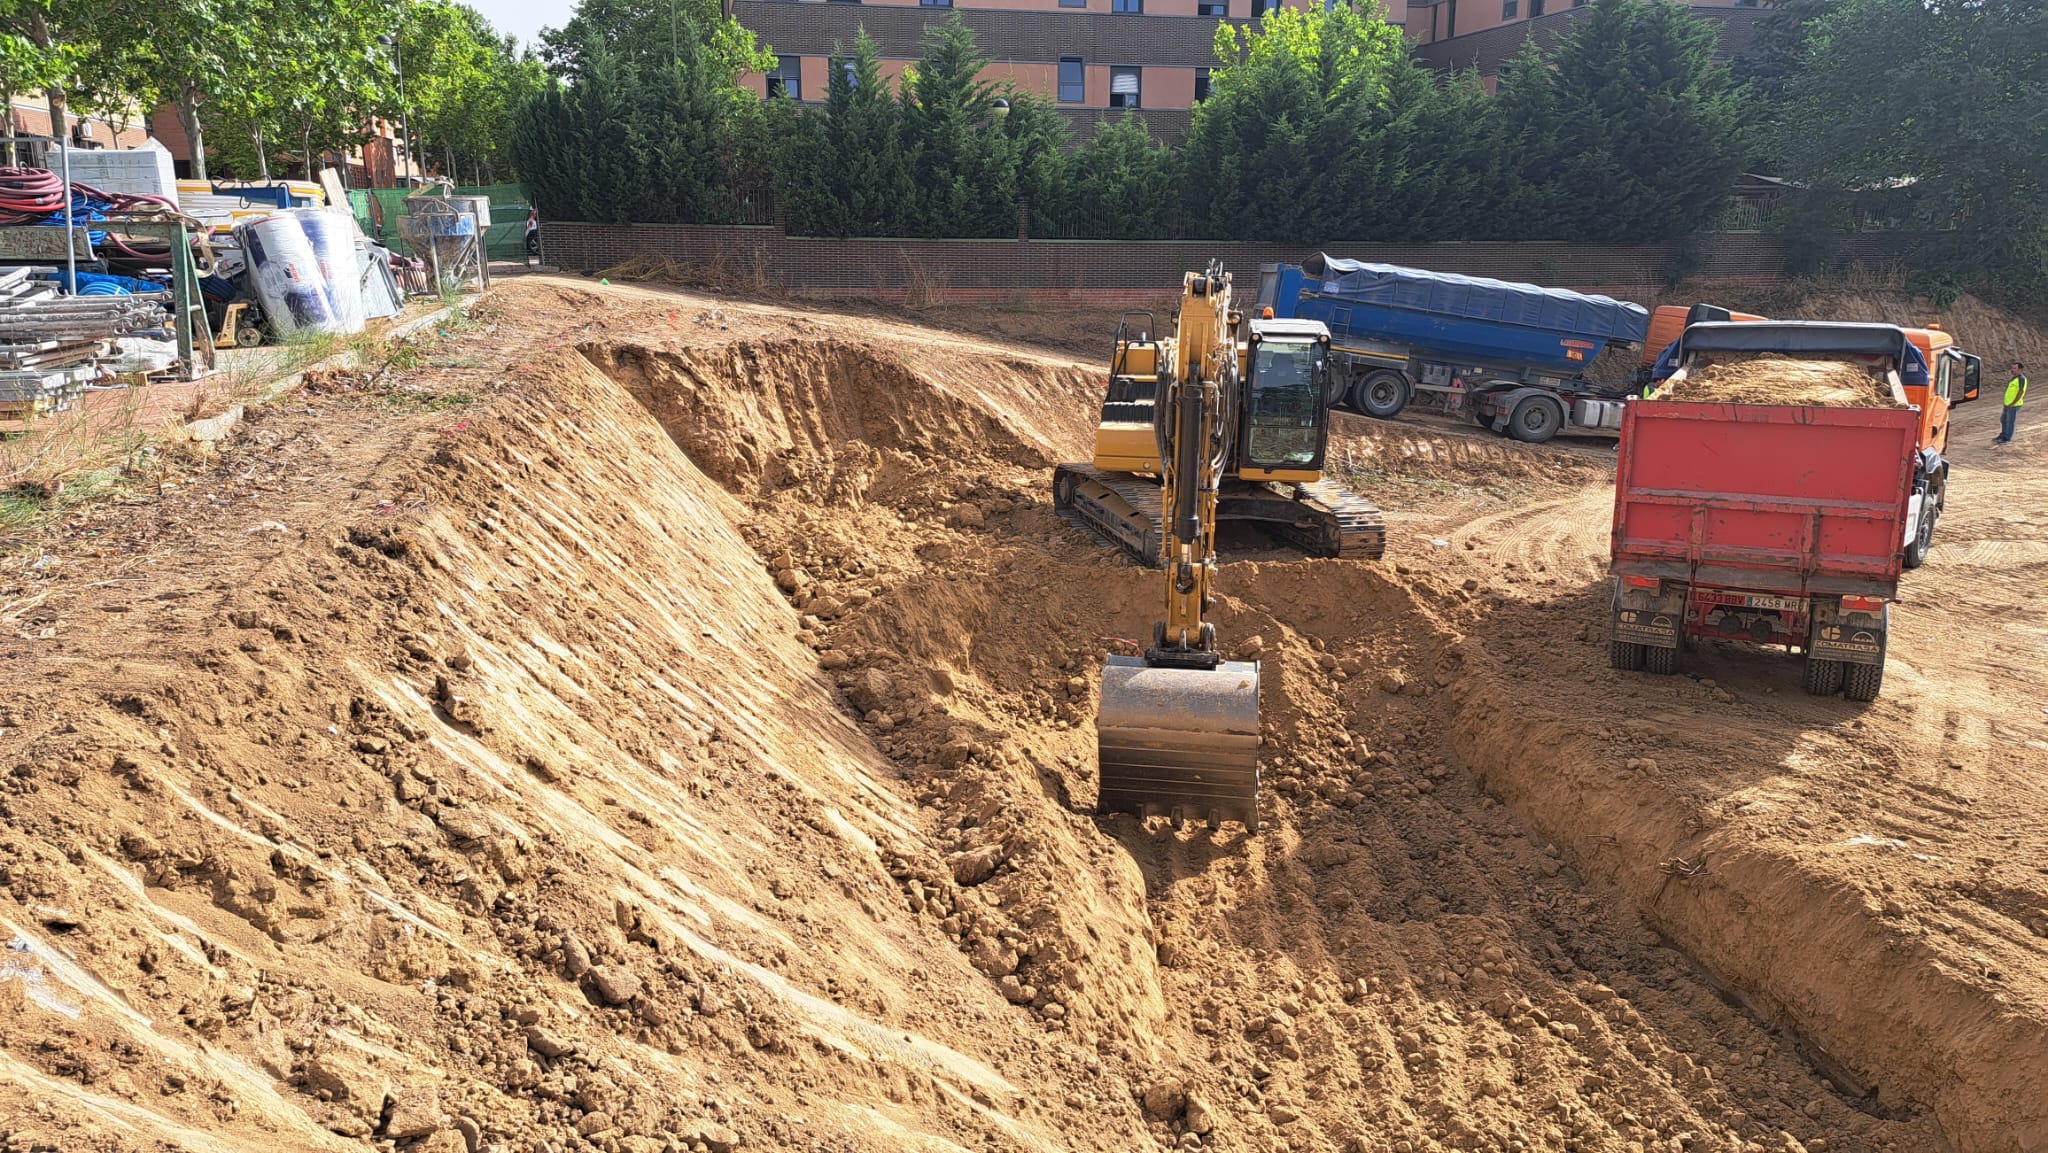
x: 1512, y: 356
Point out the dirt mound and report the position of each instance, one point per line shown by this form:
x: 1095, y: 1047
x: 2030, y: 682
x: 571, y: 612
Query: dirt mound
x: 835, y: 419
x: 1763, y: 378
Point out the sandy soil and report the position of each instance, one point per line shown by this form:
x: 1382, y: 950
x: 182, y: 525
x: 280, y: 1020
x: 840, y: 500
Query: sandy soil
x: 658, y: 723
x: 1763, y: 379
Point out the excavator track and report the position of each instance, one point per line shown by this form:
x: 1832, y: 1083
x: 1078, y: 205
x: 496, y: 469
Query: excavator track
x: 1321, y: 519
x: 1121, y: 508
x: 1347, y: 520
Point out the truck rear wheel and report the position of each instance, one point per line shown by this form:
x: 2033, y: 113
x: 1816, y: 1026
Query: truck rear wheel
x: 1535, y: 419
x: 1823, y: 677
x: 1625, y: 654
x: 1923, y: 536
x: 1660, y: 660
x: 1861, y: 682
x: 1381, y: 394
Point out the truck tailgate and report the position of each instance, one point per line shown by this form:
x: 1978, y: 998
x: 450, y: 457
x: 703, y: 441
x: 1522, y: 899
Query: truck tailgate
x: 1780, y: 497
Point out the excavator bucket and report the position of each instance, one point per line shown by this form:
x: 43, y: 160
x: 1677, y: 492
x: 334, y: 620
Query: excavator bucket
x: 1179, y: 742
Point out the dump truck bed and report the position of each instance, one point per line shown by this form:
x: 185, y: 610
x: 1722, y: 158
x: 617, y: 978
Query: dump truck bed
x: 1779, y: 498
x: 1457, y: 317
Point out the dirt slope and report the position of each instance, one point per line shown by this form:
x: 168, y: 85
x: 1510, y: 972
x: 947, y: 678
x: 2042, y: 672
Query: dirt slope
x: 687, y: 745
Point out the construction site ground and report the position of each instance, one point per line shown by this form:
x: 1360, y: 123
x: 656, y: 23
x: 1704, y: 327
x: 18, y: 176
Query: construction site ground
x: 637, y: 721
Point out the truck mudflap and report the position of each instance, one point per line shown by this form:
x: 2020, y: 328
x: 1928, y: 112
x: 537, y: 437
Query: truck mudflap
x: 1854, y: 638
x: 1648, y: 612
x: 1648, y: 627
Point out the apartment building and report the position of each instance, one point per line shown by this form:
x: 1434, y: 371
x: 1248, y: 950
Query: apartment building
x: 30, y: 116
x: 1096, y: 58
x: 1093, y: 58
x: 1484, y: 34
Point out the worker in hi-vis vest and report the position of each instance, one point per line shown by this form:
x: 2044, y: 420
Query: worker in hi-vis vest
x: 2015, y: 396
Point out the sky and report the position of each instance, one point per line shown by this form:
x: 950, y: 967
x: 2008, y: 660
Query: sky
x: 525, y: 18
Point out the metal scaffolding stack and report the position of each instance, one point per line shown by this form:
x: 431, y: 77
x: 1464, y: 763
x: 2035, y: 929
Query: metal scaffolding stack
x: 49, y: 342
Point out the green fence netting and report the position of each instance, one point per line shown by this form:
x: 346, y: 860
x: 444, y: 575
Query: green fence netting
x: 378, y: 210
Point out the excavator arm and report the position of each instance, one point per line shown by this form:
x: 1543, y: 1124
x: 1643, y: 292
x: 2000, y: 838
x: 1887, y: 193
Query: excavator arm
x: 1178, y: 731
x: 1198, y: 399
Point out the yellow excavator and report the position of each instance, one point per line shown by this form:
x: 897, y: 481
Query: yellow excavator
x: 1276, y: 427
x: 1177, y: 734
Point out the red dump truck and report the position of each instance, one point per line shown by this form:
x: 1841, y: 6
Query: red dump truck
x: 1777, y: 524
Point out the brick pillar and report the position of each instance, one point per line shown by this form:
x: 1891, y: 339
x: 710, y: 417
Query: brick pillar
x: 1023, y: 220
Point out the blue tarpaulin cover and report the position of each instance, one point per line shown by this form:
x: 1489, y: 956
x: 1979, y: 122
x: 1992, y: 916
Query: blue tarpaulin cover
x: 1477, y: 298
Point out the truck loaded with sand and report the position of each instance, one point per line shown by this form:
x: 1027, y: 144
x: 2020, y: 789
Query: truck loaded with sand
x: 1772, y: 490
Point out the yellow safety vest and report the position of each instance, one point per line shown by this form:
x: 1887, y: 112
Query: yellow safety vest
x: 2016, y: 392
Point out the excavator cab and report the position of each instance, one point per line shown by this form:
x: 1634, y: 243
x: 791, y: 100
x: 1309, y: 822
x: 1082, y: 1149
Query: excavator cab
x: 1286, y: 422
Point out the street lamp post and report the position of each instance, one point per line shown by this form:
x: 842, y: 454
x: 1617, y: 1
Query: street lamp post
x: 404, y: 121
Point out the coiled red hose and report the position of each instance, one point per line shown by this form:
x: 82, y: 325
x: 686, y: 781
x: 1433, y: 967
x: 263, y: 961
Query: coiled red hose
x: 29, y: 193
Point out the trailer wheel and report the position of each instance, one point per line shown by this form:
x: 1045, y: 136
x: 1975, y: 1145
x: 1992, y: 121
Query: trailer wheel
x: 1625, y: 654
x: 1660, y: 660
x: 1823, y: 677
x: 1381, y: 394
x: 1535, y: 420
x: 1861, y: 682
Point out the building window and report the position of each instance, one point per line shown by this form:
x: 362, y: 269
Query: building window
x: 936, y: 3
x: 1213, y: 8
x: 1261, y: 7
x: 786, y: 79
x: 1201, y: 85
x: 1745, y: 3
x: 1073, y: 3
x: 1073, y: 81
x: 851, y: 71
x: 1133, y: 6
x: 845, y: 1
x: 1123, y: 88
x: 1509, y: 9
x: 1535, y: 8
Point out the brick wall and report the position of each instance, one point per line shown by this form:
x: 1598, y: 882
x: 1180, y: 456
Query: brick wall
x: 1108, y: 272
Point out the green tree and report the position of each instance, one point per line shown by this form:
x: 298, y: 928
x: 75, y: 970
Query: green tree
x: 1652, y: 126
x: 1441, y: 175
x: 463, y: 82
x: 641, y: 33
x: 1285, y: 145
x: 271, y: 67
x: 871, y: 183
x: 1121, y: 185
x: 573, y: 143
x: 42, y: 43
x: 1536, y: 147
x: 967, y: 154
x: 1952, y: 96
x: 673, y: 142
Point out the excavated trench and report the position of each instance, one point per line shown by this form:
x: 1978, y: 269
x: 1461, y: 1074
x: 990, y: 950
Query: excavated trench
x: 1397, y: 962
x: 708, y: 764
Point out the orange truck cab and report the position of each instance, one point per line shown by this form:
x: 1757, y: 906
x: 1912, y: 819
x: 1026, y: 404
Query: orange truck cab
x: 1668, y: 323
x: 1953, y: 377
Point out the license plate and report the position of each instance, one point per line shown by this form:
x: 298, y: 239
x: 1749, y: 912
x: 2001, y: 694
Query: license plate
x: 1782, y: 604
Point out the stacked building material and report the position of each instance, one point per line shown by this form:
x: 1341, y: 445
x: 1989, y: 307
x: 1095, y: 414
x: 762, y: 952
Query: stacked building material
x: 50, y: 343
